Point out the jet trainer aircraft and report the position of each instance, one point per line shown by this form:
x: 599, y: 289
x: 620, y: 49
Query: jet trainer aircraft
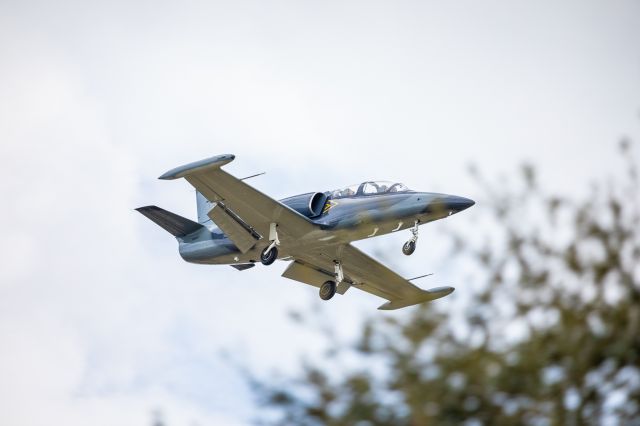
x: 239, y: 226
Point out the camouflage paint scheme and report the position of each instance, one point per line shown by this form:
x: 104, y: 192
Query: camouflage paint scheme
x: 314, y: 240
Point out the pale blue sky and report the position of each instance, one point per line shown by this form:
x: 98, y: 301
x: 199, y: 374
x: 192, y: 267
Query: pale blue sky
x: 100, y: 320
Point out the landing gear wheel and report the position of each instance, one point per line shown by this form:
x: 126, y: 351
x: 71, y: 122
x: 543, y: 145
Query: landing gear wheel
x: 409, y: 247
x: 327, y: 290
x: 267, y: 257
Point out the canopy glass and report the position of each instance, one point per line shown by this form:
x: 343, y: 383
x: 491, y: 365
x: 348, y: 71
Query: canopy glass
x: 369, y: 188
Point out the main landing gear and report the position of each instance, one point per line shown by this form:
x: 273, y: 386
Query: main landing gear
x: 328, y: 288
x: 270, y: 254
x: 410, y: 246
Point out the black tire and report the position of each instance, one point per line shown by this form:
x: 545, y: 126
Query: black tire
x: 268, y: 257
x: 327, y: 290
x: 409, y: 247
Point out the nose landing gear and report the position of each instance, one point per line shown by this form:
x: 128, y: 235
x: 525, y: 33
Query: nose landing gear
x: 410, y: 246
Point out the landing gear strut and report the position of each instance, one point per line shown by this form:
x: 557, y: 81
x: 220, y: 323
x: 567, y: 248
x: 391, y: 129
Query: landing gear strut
x: 410, y: 246
x: 328, y: 288
x: 270, y: 254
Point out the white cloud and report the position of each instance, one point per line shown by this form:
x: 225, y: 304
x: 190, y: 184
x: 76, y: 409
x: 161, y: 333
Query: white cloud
x: 100, y: 320
x: 75, y: 318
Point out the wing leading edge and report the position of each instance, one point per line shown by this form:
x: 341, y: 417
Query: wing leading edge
x: 249, y: 207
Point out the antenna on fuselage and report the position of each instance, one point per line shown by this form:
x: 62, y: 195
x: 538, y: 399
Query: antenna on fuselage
x: 252, y: 176
x: 421, y: 276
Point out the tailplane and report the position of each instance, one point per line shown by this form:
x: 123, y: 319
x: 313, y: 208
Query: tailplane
x: 174, y: 224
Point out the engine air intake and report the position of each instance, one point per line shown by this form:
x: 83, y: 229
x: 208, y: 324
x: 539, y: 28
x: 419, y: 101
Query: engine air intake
x: 309, y: 205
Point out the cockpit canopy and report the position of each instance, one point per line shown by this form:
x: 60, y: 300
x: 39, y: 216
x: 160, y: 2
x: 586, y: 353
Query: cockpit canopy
x: 369, y: 188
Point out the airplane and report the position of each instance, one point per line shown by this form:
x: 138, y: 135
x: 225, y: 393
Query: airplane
x: 240, y: 226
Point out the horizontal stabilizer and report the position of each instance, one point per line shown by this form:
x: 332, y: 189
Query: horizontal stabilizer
x: 423, y: 296
x: 174, y: 224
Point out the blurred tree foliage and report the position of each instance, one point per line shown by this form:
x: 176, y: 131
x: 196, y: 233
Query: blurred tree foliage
x: 549, y: 334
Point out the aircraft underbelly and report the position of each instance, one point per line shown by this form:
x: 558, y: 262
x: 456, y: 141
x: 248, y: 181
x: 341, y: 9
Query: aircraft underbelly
x: 341, y: 227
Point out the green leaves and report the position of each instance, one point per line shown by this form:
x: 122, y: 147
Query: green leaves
x: 551, y: 332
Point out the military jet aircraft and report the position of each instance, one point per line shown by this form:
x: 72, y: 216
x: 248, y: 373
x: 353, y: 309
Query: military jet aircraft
x: 239, y: 226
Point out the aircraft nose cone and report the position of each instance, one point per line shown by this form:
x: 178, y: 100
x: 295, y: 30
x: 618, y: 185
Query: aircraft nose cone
x: 443, y: 205
x: 458, y: 204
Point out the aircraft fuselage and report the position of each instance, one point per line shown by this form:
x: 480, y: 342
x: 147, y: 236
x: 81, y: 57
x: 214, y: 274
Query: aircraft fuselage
x: 343, y: 220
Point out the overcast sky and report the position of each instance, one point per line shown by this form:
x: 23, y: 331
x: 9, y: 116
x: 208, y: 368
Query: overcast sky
x: 101, y: 322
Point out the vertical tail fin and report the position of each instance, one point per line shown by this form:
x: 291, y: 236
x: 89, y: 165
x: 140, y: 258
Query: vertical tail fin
x: 204, y: 206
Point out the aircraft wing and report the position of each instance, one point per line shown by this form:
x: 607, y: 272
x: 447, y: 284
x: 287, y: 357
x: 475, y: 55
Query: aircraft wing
x: 362, y: 272
x: 240, y: 201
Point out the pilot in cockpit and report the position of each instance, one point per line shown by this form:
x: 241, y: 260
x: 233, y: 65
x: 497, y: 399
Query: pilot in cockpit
x: 347, y: 192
